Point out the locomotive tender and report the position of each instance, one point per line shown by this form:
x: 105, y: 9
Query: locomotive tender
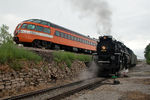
x: 113, y: 56
x: 41, y: 33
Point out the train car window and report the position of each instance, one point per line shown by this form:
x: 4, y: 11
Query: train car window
x: 79, y: 39
x: 48, y: 24
x: 66, y: 36
x: 83, y: 41
x: 90, y: 43
x: 69, y: 37
x: 62, y: 35
x: 31, y: 27
x: 86, y: 41
x: 75, y: 39
x: 18, y: 26
x: 24, y: 26
x: 57, y: 33
x: 39, y: 28
x: 31, y: 20
x: 44, y: 23
x: 46, y: 30
x: 37, y: 21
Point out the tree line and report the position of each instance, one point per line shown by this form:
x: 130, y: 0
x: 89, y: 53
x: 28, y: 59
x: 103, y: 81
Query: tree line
x: 147, y: 53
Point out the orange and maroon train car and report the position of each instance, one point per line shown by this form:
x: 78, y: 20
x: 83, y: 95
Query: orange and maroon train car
x: 40, y: 33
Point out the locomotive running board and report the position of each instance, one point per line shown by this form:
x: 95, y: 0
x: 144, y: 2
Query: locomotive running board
x: 104, y: 62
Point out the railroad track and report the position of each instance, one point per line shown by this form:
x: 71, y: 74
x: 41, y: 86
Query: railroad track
x: 57, y: 93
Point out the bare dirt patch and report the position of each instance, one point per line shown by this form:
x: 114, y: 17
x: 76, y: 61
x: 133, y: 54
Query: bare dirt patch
x: 145, y: 81
x: 135, y: 95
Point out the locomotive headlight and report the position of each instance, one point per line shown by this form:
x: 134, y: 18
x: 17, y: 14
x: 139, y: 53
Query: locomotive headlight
x: 105, y: 37
x: 103, y: 47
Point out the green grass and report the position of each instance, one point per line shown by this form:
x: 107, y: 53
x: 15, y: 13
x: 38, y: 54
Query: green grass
x: 9, y: 53
x: 68, y: 57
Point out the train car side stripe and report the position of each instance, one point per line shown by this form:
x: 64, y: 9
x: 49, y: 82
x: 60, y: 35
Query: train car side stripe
x: 35, y: 33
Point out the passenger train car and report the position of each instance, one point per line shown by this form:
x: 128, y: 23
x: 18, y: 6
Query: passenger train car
x: 40, y: 33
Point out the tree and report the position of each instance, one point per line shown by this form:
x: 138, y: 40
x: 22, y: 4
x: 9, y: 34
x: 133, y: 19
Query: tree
x: 5, y: 36
x: 147, y: 53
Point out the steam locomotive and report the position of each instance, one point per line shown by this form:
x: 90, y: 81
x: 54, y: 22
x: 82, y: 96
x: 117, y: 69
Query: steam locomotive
x: 113, y: 56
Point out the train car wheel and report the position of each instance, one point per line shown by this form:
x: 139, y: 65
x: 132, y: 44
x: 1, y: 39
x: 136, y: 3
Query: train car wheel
x: 57, y: 47
x: 36, y: 43
x: 48, y: 45
x: 26, y: 45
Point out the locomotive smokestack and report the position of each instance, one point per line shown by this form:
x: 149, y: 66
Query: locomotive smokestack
x: 99, y: 10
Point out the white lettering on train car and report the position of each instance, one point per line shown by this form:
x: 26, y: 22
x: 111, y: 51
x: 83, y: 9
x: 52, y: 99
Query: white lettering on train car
x: 35, y: 33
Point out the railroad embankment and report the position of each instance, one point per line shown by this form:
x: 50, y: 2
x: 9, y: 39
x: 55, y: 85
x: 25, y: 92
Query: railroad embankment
x: 22, y: 71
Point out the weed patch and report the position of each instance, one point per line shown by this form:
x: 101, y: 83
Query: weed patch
x: 9, y: 53
x: 68, y: 57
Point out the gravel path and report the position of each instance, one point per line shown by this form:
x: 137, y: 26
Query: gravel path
x: 135, y: 87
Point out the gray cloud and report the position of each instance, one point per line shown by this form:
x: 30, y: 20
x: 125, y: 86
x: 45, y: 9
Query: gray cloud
x: 98, y: 10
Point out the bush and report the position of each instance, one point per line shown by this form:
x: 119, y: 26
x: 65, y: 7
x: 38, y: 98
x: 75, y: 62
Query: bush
x: 148, y: 58
x: 84, y: 58
x: 9, y: 53
x: 16, y: 65
x: 5, y: 36
x: 68, y: 57
x: 147, y: 53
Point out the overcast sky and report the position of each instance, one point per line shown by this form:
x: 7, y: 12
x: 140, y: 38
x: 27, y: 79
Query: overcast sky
x: 130, y: 18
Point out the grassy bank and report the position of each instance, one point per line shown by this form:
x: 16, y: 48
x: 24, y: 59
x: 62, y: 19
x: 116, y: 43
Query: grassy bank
x: 10, y: 54
x: 68, y: 57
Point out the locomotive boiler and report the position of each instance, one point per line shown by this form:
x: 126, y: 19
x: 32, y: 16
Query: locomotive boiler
x: 113, y: 56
